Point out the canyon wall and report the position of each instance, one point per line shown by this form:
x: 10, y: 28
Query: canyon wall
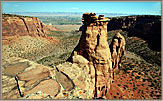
x: 23, y: 26
x: 14, y: 27
x: 147, y: 27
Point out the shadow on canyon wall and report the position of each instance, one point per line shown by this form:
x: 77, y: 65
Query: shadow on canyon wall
x: 147, y: 27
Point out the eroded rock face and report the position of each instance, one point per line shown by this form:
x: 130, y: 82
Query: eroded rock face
x: 50, y: 87
x: 94, y: 47
x: 13, y: 27
x: 23, y: 26
x: 79, y: 74
x: 33, y: 75
x: 13, y: 69
x: 117, y: 48
x: 64, y: 80
x: 9, y: 88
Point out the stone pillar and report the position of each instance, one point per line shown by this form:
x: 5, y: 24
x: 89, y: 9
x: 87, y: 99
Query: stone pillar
x: 94, y: 47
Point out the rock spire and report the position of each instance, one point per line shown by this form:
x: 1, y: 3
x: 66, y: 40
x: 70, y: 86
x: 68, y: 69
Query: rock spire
x: 94, y: 47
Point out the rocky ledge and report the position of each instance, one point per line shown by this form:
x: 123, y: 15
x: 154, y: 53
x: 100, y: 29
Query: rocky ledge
x: 24, y: 79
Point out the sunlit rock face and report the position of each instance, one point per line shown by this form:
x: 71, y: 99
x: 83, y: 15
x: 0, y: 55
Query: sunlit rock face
x: 94, y: 47
x: 23, y: 26
x: 14, y: 27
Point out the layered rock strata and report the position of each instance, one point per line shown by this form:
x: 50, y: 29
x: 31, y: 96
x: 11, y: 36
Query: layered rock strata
x: 14, y: 27
x: 93, y: 46
x: 23, y: 26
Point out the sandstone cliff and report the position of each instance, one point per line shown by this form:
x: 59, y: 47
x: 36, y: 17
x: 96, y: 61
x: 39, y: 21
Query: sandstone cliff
x: 87, y: 76
x: 13, y: 27
x: 147, y: 27
x: 22, y: 26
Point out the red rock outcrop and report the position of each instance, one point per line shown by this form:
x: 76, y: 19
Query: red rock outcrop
x: 22, y: 26
x: 117, y: 48
x: 13, y: 27
x: 94, y: 47
x: 30, y: 80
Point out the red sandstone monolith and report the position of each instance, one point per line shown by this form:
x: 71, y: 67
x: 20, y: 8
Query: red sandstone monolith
x: 94, y: 47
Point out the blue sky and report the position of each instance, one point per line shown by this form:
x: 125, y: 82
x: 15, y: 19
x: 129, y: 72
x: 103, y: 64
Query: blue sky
x: 152, y: 8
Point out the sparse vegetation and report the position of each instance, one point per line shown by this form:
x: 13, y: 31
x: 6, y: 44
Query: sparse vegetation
x: 63, y: 50
x: 143, y: 66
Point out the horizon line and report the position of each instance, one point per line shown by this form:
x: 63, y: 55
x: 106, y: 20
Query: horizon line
x: 80, y: 12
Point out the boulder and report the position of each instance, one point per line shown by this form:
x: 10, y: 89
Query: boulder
x: 80, y: 77
x: 50, y: 87
x: 64, y: 80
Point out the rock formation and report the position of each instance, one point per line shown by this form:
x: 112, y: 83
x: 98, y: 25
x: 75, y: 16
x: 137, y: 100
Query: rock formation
x: 117, y: 48
x: 93, y: 46
x: 23, y: 26
x: 13, y: 27
x: 147, y: 27
x: 30, y: 80
x: 27, y: 78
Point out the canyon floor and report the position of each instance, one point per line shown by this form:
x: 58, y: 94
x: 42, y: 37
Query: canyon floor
x: 138, y: 78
